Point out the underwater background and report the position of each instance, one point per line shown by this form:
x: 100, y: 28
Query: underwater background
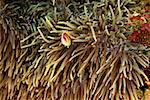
x: 74, y: 50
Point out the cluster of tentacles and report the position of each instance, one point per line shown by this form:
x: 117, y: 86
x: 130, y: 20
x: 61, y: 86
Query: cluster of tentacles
x: 69, y: 50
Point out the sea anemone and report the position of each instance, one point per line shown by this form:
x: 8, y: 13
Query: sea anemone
x: 70, y: 51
